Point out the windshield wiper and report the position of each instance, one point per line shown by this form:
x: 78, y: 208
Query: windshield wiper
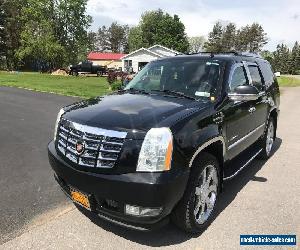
x: 133, y: 90
x: 173, y: 93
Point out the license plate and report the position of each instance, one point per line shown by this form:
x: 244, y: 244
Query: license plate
x: 80, y: 198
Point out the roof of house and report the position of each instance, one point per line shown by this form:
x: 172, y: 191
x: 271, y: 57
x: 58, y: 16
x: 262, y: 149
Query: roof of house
x: 142, y: 49
x: 163, y: 47
x: 105, y: 56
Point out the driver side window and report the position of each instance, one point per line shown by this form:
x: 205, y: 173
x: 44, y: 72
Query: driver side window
x: 238, y: 78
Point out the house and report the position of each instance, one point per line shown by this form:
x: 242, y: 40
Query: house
x: 136, y: 60
x: 111, y: 60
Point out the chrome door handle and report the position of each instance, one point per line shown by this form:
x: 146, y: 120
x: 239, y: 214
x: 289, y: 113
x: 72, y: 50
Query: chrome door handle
x: 252, y: 110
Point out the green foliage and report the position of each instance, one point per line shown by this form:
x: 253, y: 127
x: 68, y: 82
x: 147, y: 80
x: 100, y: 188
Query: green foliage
x: 113, y: 38
x: 11, y: 30
x: 157, y: 27
x: 285, y: 60
x: 227, y: 38
x: 48, y: 32
x: 135, y: 39
x: 117, y: 37
x: 116, y: 86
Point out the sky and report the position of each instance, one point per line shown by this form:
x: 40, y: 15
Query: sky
x: 279, y: 18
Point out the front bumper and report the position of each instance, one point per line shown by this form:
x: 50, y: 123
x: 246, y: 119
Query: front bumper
x: 140, y: 189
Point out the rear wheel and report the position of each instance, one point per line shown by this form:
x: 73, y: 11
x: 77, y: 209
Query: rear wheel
x: 74, y: 73
x: 267, y: 141
x: 99, y: 73
x: 196, y: 209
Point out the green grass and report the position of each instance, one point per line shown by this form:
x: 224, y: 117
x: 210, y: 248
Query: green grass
x: 82, y: 86
x: 288, y: 81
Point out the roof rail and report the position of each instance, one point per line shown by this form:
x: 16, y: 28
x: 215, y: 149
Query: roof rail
x: 236, y: 53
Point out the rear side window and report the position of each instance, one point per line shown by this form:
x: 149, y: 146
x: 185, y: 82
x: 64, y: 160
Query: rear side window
x: 238, y: 78
x: 256, y: 77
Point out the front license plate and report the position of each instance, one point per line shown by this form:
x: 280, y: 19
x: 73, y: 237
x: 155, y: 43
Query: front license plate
x: 80, y: 198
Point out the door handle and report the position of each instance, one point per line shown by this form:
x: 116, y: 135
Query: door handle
x: 252, y: 110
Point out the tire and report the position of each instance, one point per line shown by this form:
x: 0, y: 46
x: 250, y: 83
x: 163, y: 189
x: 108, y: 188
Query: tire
x: 191, y: 214
x: 74, y: 73
x: 99, y: 73
x: 267, y: 142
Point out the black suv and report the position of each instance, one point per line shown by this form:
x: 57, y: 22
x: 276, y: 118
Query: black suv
x: 162, y: 147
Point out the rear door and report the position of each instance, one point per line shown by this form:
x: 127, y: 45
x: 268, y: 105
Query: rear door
x: 260, y: 106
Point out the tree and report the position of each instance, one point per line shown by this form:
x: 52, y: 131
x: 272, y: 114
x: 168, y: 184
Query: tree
x: 215, y: 39
x: 117, y: 37
x: 12, y: 25
x: 71, y: 24
x: 196, y: 44
x: 249, y: 38
x: 135, y: 39
x: 228, y: 37
x: 2, y: 34
x: 281, y: 58
x: 294, y: 62
x: 38, y: 43
x: 157, y: 27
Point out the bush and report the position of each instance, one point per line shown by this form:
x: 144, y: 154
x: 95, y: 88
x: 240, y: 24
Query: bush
x: 111, y: 78
x: 116, y: 86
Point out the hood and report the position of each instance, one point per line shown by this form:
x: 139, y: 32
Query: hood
x: 129, y: 112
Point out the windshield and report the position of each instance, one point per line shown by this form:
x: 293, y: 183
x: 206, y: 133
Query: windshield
x: 195, y: 77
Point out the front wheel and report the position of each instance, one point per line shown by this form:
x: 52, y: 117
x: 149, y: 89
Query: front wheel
x: 267, y: 141
x: 196, y: 209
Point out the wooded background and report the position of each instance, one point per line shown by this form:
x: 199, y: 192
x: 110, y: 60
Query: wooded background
x: 42, y: 35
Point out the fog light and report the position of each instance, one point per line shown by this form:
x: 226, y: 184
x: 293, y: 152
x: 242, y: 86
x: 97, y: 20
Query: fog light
x: 142, y: 211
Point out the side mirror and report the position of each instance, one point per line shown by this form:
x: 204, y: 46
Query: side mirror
x: 244, y: 93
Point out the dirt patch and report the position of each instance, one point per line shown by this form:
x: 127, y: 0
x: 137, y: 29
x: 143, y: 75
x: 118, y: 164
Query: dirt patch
x: 59, y: 72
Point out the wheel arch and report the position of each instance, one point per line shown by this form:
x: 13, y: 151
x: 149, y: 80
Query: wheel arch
x: 215, y: 146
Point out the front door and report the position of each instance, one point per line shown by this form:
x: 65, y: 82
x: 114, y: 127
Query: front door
x: 238, y: 114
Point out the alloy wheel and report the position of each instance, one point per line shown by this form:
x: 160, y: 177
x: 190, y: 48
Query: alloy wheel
x: 206, y: 194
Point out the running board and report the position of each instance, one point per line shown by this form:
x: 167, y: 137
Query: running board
x: 233, y: 169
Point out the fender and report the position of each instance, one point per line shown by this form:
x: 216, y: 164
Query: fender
x: 205, y: 145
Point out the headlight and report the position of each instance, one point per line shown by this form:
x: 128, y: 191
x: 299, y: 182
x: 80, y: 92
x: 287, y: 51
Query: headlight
x: 156, y: 151
x: 59, y: 115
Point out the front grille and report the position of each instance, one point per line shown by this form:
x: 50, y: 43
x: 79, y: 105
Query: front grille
x: 101, y: 147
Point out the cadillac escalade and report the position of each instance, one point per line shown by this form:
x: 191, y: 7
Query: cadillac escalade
x: 162, y: 147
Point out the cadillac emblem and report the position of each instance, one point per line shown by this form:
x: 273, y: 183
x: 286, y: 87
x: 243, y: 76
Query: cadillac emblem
x: 79, y: 147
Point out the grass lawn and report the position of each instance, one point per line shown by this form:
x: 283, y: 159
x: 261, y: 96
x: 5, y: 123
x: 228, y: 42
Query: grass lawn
x: 289, y: 81
x: 82, y: 86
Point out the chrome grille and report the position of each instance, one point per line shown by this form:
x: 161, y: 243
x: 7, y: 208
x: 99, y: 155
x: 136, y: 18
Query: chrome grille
x: 101, y: 147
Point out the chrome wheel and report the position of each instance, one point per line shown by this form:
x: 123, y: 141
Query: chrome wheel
x: 206, y: 194
x: 270, y: 138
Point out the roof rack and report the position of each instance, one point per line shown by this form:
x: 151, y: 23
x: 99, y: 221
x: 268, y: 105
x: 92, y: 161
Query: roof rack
x: 236, y: 53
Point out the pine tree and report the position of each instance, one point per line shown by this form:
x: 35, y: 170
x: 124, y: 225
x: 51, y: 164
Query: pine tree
x: 215, y: 41
x: 228, y: 37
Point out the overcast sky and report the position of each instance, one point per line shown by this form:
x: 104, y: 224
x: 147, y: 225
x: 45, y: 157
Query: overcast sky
x: 279, y: 18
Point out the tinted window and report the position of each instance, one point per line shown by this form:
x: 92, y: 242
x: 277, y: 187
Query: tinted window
x: 195, y: 78
x: 238, y: 78
x: 267, y: 73
x: 255, y: 76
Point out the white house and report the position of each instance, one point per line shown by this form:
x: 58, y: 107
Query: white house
x: 139, y: 58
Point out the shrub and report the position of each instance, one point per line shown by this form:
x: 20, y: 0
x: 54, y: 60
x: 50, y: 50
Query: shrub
x: 116, y: 86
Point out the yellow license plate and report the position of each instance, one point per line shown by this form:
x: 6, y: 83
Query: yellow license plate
x: 80, y: 198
